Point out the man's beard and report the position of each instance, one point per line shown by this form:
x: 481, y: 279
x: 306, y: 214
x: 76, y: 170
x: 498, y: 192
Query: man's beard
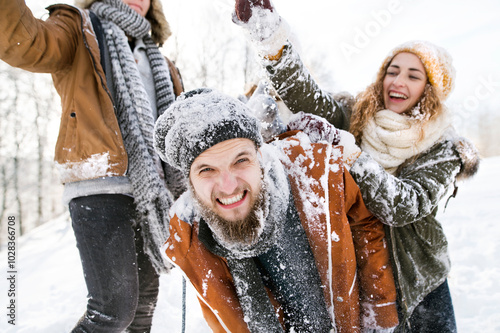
x: 242, y: 232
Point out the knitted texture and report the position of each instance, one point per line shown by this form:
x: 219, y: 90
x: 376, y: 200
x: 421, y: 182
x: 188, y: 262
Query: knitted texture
x: 265, y: 28
x: 392, y: 138
x: 160, y: 29
x: 135, y: 118
x: 198, y: 120
x: 436, y: 60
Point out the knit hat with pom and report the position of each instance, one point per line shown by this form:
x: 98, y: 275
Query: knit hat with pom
x: 198, y: 120
x: 160, y: 29
x: 436, y: 60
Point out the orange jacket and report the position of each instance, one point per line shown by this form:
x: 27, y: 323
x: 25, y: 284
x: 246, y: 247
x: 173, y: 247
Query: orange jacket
x: 346, y: 240
x: 65, y: 45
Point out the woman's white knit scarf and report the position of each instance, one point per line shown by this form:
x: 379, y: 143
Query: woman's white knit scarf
x: 135, y: 117
x: 391, y: 138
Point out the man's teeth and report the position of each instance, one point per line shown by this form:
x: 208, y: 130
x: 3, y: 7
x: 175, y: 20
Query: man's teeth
x: 231, y: 200
x: 397, y: 95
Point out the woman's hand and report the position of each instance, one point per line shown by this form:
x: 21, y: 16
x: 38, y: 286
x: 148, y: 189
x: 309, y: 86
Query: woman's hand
x: 264, y: 25
x: 243, y: 8
x: 319, y: 129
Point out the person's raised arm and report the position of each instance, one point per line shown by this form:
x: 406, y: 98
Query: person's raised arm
x: 33, y: 44
x: 270, y: 35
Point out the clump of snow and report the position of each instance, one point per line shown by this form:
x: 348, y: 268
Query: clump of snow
x: 314, y: 206
x: 95, y: 166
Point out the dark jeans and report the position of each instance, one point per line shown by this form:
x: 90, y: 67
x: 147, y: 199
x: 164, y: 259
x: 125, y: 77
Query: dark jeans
x: 122, y: 284
x: 435, y: 313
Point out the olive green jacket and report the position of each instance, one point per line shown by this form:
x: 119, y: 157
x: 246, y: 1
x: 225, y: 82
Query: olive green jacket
x: 297, y: 88
x: 406, y: 203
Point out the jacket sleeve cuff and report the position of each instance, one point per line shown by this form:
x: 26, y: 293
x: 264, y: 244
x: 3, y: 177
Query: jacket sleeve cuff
x: 272, y: 47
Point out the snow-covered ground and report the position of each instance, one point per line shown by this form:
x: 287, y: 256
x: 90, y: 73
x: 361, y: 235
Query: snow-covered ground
x: 51, y: 290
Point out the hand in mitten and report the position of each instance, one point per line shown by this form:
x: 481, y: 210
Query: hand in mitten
x: 264, y: 25
x: 351, y: 149
x: 243, y: 8
x: 317, y: 128
x: 265, y: 109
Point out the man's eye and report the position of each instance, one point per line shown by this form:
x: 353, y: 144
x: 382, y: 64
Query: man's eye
x: 242, y: 160
x: 205, y: 170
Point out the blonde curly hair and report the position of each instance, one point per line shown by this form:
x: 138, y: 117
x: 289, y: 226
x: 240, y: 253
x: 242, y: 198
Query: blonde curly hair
x: 160, y: 29
x: 440, y: 74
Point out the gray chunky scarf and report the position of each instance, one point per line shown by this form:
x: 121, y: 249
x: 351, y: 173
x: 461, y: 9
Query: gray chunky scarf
x: 134, y: 113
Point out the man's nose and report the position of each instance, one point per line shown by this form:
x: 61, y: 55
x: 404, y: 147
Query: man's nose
x: 227, y: 182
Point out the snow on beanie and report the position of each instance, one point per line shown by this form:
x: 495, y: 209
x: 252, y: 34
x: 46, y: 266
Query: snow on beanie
x: 198, y: 120
x: 436, y: 60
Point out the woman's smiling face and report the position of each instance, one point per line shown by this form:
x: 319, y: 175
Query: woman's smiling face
x: 404, y: 82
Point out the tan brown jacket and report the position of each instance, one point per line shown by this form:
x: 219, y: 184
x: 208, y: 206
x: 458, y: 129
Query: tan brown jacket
x: 90, y: 143
x: 346, y: 240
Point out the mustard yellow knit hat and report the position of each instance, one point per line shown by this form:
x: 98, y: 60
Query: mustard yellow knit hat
x: 436, y: 60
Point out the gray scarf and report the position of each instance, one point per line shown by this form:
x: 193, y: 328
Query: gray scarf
x: 135, y: 118
x: 289, y: 262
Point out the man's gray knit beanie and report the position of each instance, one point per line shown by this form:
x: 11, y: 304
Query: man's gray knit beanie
x: 198, y: 120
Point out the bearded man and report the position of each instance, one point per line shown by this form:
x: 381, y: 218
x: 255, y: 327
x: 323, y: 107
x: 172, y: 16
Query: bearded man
x: 273, y: 237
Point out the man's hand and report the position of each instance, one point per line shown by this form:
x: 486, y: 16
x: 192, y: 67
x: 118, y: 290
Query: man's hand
x: 243, y: 8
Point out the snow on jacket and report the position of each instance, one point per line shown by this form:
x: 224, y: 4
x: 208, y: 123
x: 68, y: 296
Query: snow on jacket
x: 406, y: 203
x: 90, y: 143
x: 347, y: 242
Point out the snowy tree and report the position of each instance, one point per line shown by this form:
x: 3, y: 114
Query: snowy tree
x: 29, y: 112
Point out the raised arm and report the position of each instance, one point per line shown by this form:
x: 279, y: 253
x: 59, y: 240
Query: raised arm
x: 36, y: 45
x: 291, y: 79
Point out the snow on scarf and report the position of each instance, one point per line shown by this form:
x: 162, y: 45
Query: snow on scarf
x: 391, y: 138
x: 135, y: 118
